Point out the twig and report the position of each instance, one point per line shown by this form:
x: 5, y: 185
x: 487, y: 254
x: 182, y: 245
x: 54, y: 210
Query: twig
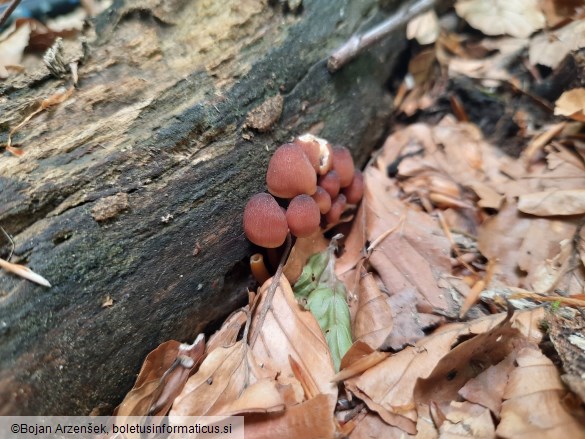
x: 8, y: 11
x: 11, y: 242
x: 270, y: 293
x: 454, y: 246
x: 358, y: 43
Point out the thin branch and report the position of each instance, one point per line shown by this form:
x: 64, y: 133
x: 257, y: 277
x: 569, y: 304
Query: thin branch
x: 358, y: 43
x: 270, y: 293
x: 11, y: 243
x: 8, y: 11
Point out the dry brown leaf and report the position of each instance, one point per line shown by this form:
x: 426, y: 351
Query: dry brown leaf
x: 358, y: 359
x: 415, y: 254
x: 571, y: 104
x: 488, y: 387
x: 463, y: 419
x: 518, y: 18
x: 263, y: 396
x: 303, y: 249
x: 388, y: 388
x: 466, y: 360
x: 228, y: 333
x: 518, y: 244
x: 409, y: 323
x: 533, y: 150
x: 557, y: 11
x: 313, y: 419
x: 162, y: 377
x: 373, y: 321
x: 551, y: 203
x: 290, y: 330
x: 494, y: 68
x: 551, y: 274
x: 550, y: 48
x: 424, y: 28
x: 533, y: 407
x: 12, y: 48
x: 372, y: 426
x: 220, y: 381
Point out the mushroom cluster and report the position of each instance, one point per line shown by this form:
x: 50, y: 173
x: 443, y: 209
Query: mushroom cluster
x: 314, y: 180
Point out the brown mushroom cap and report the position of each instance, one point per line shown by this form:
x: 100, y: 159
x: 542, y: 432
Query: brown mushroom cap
x: 355, y: 191
x: 343, y: 164
x: 318, y: 151
x: 337, y: 208
x: 330, y: 182
x: 303, y: 216
x: 264, y: 221
x: 290, y: 173
x: 323, y: 200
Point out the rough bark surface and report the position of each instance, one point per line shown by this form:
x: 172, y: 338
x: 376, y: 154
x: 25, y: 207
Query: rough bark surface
x: 133, y: 188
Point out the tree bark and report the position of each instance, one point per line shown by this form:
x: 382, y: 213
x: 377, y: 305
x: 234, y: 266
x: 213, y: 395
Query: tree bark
x: 132, y: 189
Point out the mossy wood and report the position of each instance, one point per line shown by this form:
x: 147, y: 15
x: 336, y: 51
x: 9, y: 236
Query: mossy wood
x: 129, y: 196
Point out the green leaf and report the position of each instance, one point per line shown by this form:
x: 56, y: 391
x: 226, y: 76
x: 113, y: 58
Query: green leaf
x: 329, y: 307
x: 311, y: 275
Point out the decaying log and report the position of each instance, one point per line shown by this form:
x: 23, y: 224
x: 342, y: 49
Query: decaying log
x: 130, y: 192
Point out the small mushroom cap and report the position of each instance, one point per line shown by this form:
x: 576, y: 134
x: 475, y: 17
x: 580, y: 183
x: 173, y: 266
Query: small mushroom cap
x: 330, y: 182
x: 355, y: 191
x: 290, y: 173
x: 318, y: 151
x: 323, y: 200
x: 343, y: 164
x: 264, y: 221
x: 303, y: 216
x: 337, y: 208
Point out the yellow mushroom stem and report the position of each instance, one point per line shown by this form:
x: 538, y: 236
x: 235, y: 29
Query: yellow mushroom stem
x: 258, y: 268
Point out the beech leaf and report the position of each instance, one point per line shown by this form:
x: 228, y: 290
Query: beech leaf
x: 518, y: 18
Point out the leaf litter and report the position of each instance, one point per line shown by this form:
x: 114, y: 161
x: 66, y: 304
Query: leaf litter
x: 464, y: 261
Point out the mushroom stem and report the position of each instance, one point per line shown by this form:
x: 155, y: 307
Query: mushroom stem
x: 258, y: 268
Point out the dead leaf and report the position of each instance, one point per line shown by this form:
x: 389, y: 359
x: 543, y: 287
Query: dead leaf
x: 488, y: 387
x: 424, y: 28
x: 551, y: 203
x: 466, y: 360
x: 108, y: 302
x: 518, y: 18
x: 227, y: 335
x: 550, y: 48
x: 373, y: 321
x: 389, y: 387
x: 372, y: 426
x: 303, y: 249
x: 221, y: 379
x: 517, y: 244
x: 571, y: 104
x: 162, y: 377
x: 557, y: 11
x: 409, y: 323
x: 290, y: 330
x: 533, y: 406
x: 463, y: 419
x: 263, y: 396
x: 358, y: 359
x: 415, y: 254
x: 12, y: 48
x: 312, y: 419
